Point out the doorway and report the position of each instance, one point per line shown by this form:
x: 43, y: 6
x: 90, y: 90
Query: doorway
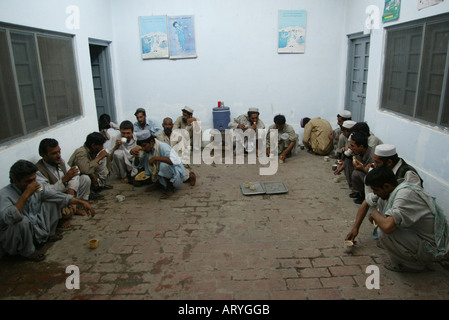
x: 357, y: 75
x: 102, y: 78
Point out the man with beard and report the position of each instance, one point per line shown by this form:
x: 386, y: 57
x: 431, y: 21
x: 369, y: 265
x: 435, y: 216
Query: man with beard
x: 178, y: 143
x: 187, y: 122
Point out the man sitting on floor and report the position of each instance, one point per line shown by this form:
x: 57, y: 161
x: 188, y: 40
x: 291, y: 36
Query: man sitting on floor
x: 29, y: 212
x: 250, y: 120
x: 180, y: 144
x: 286, y: 138
x: 412, y: 228
x: 121, y: 158
x: 161, y: 163
x: 56, y: 174
x: 91, y: 160
x: 384, y: 154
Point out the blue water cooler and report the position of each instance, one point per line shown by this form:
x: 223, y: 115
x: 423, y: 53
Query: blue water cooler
x: 222, y: 117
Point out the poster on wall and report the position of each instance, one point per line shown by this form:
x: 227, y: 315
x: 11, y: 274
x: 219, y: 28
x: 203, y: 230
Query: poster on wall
x: 181, y: 35
x: 153, y: 37
x: 427, y: 3
x: 391, y: 11
x: 292, y: 31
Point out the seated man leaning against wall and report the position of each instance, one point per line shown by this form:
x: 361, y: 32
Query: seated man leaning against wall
x: 29, y: 212
x: 54, y: 172
x: 121, y: 158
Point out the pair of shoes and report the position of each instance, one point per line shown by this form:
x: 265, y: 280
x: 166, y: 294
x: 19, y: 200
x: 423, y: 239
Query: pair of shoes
x: 354, y: 195
x: 359, y: 200
x: 95, y: 196
x: 36, y: 257
x: 106, y: 187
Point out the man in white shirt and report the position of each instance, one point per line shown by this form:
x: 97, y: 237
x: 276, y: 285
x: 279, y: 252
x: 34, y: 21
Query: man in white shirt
x: 57, y: 175
x: 121, y: 158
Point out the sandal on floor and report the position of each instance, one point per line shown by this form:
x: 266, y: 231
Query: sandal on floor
x: 36, y: 257
x: 55, y: 238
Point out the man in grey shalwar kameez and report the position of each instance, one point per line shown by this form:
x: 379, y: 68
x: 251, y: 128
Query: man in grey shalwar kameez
x: 29, y: 213
x: 412, y: 228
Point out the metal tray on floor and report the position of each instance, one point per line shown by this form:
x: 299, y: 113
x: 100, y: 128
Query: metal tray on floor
x: 275, y: 187
x: 259, y: 189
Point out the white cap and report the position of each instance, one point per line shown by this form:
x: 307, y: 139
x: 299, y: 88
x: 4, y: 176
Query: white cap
x: 348, y: 124
x: 253, y: 110
x: 345, y: 114
x: 385, y: 150
x: 187, y: 109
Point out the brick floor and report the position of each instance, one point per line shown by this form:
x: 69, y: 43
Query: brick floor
x: 211, y: 242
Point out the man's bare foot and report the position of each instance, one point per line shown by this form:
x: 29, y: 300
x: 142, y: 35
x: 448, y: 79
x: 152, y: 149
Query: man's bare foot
x: 124, y: 180
x: 192, y: 178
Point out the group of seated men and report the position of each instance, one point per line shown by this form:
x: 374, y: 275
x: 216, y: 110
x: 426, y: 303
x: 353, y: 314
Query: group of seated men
x: 409, y: 224
x: 42, y: 197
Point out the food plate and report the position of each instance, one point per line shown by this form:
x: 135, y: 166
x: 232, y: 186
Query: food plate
x: 258, y: 189
x: 275, y: 187
x: 141, y: 176
x: 266, y: 187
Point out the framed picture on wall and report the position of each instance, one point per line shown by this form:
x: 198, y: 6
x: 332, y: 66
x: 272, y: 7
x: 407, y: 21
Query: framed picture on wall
x: 153, y: 37
x: 292, y: 31
x: 391, y: 10
x: 181, y: 35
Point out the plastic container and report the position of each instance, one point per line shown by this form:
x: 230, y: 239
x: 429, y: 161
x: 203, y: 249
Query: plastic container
x: 221, y: 117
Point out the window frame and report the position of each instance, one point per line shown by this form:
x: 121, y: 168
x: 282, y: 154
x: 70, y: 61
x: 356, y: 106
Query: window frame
x: 36, y: 33
x: 423, y: 23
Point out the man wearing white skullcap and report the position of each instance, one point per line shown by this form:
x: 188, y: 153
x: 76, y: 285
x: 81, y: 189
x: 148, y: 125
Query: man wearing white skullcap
x: 342, y: 116
x: 384, y: 154
x: 343, y: 151
x: 250, y: 120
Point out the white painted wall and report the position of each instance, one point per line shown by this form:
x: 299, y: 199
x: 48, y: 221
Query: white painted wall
x: 95, y: 22
x: 237, y: 61
x: 423, y: 146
